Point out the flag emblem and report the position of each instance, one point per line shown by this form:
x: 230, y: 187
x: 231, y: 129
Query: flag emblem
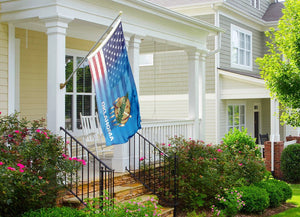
x: 116, y: 94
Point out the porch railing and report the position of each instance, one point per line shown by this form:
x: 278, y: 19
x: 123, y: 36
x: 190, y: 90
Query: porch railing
x: 161, y: 131
x: 94, y: 179
x: 155, y: 169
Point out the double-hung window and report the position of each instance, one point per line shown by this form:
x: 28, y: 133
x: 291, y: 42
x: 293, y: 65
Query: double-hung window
x: 236, y: 117
x: 241, y: 48
x: 80, y: 94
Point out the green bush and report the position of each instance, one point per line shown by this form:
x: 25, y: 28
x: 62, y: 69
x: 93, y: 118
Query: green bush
x: 290, y: 161
x: 32, y: 166
x: 206, y: 170
x: 55, y: 212
x: 256, y: 199
x: 238, y: 141
x: 285, y: 191
x: 275, y: 193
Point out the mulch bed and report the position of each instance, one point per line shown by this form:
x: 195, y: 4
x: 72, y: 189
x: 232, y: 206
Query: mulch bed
x: 268, y: 212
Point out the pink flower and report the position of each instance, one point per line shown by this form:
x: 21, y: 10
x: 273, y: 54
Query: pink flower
x: 240, y: 164
x: 9, y: 135
x: 17, y: 131
x: 240, y: 152
x: 70, y: 158
x: 20, y: 165
x: 21, y: 170
x: 40, y: 177
x: 83, y: 162
x: 11, y: 168
x: 0, y: 113
x: 219, y: 150
x: 215, y: 158
x: 38, y: 131
x: 75, y: 158
x: 169, y: 145
x: 64, y: 155
x: 68, y: 142
x: 1, y: 163
x: 161, y: 154
x: 163, y: 143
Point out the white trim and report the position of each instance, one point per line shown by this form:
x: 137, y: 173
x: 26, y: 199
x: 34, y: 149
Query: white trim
x: 17, y: 69
x: 11, y: 69
x: 253, y: 3
x: 247, y: 33
x: 241, y: 77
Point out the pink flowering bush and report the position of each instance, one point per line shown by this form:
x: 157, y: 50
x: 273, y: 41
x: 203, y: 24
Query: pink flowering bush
x: 205, y: 170
x: 32, y: 166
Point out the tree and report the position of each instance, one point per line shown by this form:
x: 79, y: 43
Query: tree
x: 280, y: 67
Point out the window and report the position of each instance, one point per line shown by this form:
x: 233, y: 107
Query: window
x: 255, y: 3
x: 236, y: 117
x: 80, y: 96
x: 241, y: 48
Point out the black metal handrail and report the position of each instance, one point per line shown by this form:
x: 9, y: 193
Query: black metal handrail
x: 94, y: 179
x: 156, y: 170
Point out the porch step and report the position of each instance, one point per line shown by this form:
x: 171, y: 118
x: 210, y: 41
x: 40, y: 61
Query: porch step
x: 126, y: 189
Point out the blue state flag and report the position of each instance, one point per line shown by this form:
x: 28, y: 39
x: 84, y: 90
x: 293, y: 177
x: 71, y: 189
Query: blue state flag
x: 116, y: 94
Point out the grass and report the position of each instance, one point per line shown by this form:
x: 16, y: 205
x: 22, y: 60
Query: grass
x: 295, y: 200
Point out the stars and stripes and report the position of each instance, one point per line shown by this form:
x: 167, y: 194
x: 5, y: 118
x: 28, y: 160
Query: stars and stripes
x: 115, y: 88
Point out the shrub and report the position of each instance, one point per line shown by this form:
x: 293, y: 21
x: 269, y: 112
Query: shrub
x: 239, y: 141
x: 286, y: 190
x: 206, y: 170
x: 229, y: 203
x: 275, y: 193
x: 256, y: 199
x: 32, y: 166
x: 290, y: 160
x: 55, y: 212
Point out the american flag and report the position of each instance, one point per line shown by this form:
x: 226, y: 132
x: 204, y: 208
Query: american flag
x: 116, y: 94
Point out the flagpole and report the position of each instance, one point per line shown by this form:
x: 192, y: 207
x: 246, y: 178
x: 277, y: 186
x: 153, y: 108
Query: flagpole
x: 62, y: 85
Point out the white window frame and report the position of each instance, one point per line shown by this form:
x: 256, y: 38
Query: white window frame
x: 255, y: 4
x: 74, y: 94
x: 227, y: 116
x: 146, y: 59
x: 237, y: 60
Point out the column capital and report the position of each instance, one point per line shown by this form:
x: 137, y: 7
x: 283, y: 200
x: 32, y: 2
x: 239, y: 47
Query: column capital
x: 56, y: 24
x: 195, y: 54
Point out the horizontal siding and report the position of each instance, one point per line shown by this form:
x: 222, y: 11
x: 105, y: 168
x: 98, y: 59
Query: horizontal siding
x: 33, y: 74
x: 210, y: 61
x: 168, y: 75
x: 210, y: 121
x: 164, y: 107
x: 245, y: 5
x: 258, y: 42
x: 3, y: 68
x: 78, y: 44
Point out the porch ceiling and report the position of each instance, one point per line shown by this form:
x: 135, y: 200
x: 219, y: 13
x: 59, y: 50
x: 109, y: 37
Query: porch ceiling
x: 89, y: 18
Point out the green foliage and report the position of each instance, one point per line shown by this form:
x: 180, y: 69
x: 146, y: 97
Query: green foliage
x: 132, y: 208
x: 55, y: 212
x: 32, y: 166
x: 284, y: 188
x: 206, y: 170
x: 275, y: 193
x: 280, y: 68
x: 230, y: 203
x: 255, y: 198
x: 195, y: 214
x: 290, y: 161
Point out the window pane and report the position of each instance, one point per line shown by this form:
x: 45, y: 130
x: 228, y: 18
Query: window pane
x: 68, y: 112
x: 248, y: 42
x: 242, y: 40
x: 257, y: 4
x: 235, y: 39
x: 84, y: 79
x: 248, y: 58
x: 84, y: 105
x: 69, y: 70
x: 242, y: 57
x: 236, y: 115
x: 230, y: 115
x: 235, y: 55
x: 242, y: 115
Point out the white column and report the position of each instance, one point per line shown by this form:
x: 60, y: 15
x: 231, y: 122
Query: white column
x: 56, y: 31
x: 121, y: 152
x: 275, y: 123
x: 11, y: 69
x: 134, y: 57
x: 194, y: 90
x: 202, y: 89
